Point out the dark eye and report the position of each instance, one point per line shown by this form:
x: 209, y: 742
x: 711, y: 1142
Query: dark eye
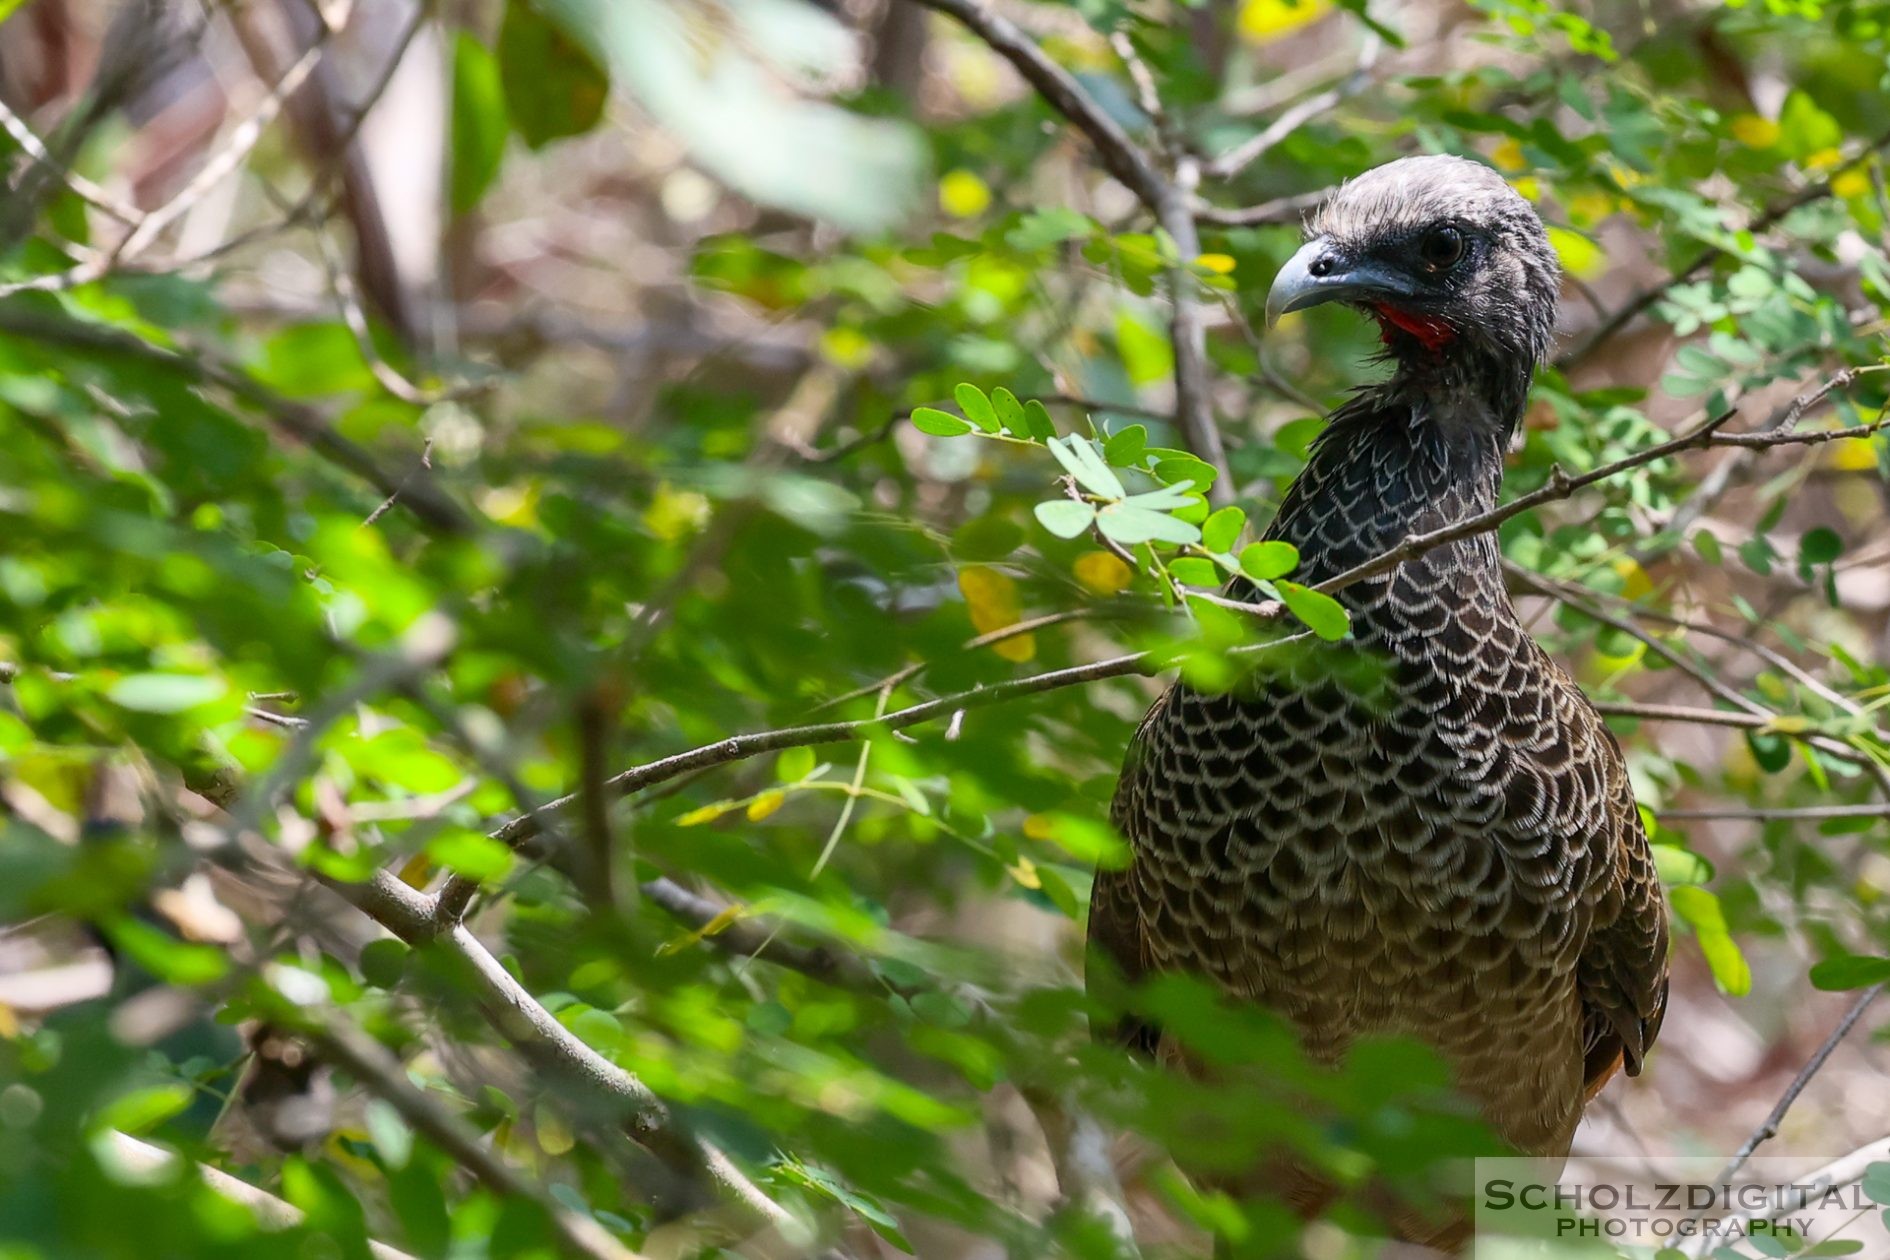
x: 1442, y: 249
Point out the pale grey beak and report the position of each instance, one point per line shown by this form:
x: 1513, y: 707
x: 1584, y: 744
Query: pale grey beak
x: 1320, y: 272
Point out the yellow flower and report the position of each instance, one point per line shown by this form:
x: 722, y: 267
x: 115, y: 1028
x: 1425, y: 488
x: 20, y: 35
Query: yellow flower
x: 991, y: 598
x: 963, y: 195
x: 1755, y: 132
x: 1102, y: 572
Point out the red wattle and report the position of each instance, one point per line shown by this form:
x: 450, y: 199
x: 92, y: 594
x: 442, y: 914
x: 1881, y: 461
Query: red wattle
x: 1432, y: 334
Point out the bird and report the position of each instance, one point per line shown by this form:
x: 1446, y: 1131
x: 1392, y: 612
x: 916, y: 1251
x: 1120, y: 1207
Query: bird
x: 1426, y: 830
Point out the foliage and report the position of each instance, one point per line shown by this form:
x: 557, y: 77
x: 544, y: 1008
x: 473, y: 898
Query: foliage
x: 292, y: 601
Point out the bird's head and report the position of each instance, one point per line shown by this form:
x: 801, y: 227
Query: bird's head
x: 1450, y: 259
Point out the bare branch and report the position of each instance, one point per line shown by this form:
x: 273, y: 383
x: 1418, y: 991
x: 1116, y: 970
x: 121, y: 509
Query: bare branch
x: 1294, y: 117
x: 1561, y: 485
x: 553, y: 1051
x: 1170, y: 200
x: 148, y: 227
x: 376, y: 1068
x: 1769, y: 1129
x: 1122, y: 157
x: 1194, y: 411
x: 271, y: 1211
x: 35, y: 148
x: 1760, y: 813
x: 1280, y: 210
x: 1086, y: 1173
x: 742, y: 747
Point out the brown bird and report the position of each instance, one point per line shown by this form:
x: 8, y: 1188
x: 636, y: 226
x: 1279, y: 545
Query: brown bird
x: 1425, y: 830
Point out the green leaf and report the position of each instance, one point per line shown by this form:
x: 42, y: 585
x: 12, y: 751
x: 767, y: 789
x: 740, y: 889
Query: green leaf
x: 1849, y: 971
x: 1043, y: 228
x: 1066, y: 518
x: 553, y: 86
x: 1267, y: 560
x: 1772, y: 752
x: 1186, y: 470
x: 1730, y: 971
x: 1037, y: 419
x: 384, y: 962
x: 1700, y: 909
x: 1079, y: 458
x: 1010, y: 412
x: 1323, y: 615
x: 1820, y: 546
x: 1194, y: 571
x: 938, y: 423
x: 1876, y: 1183
x: 1147, y: 354
x: 1124, y: 449
x: 472, y: 853
x: 1129, y: 525
x: 1676, y: 865
x: 1164, y: 499
x: 165, y: 693
x: 597, y: 1029
x: 977, y: 408
x: 1222, y: 530
x: 479, y: 122
x: 794, y: 765
x: 164, y: 956
x: 142, y: 1110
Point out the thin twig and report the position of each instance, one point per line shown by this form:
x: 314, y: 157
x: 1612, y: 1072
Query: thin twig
x: 1294, y: 117
x: 1769, y: 1129
x: 551, y: 1048
x: 221, y: 164
x: 1194, y: 410
x: 1120, y: 155
x: 385, y: 1077
x: 1279, y: 211
x: 1560, y: 485
x: 35, y: 148
x: 1761, y: 813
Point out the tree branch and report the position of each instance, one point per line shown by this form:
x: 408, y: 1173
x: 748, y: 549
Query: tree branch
x: 1295, y: 116
x: 384, y: 1076
x: 554, y: 1051
x: 272, y: 1212
x: 1769, y: 1129
x: 1281, y: 210
x: 1169, y: 198
x: 1121, y: 156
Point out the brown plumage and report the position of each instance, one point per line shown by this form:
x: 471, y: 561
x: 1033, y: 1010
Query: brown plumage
x: 1425, y: 830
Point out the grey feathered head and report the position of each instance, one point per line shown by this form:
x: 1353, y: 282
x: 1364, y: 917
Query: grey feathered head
x: 1452, y: 261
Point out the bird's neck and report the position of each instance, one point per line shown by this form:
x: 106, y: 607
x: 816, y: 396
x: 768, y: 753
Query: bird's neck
x: 1402, y: 458
x: 1461, y: 375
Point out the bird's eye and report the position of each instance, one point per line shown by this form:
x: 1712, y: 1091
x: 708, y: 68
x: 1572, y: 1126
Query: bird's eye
x: 1442, y: 249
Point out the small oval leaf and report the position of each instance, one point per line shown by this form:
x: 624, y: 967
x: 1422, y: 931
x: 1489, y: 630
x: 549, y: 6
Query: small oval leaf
x: 938, y: 423
x: 1066, y: 518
